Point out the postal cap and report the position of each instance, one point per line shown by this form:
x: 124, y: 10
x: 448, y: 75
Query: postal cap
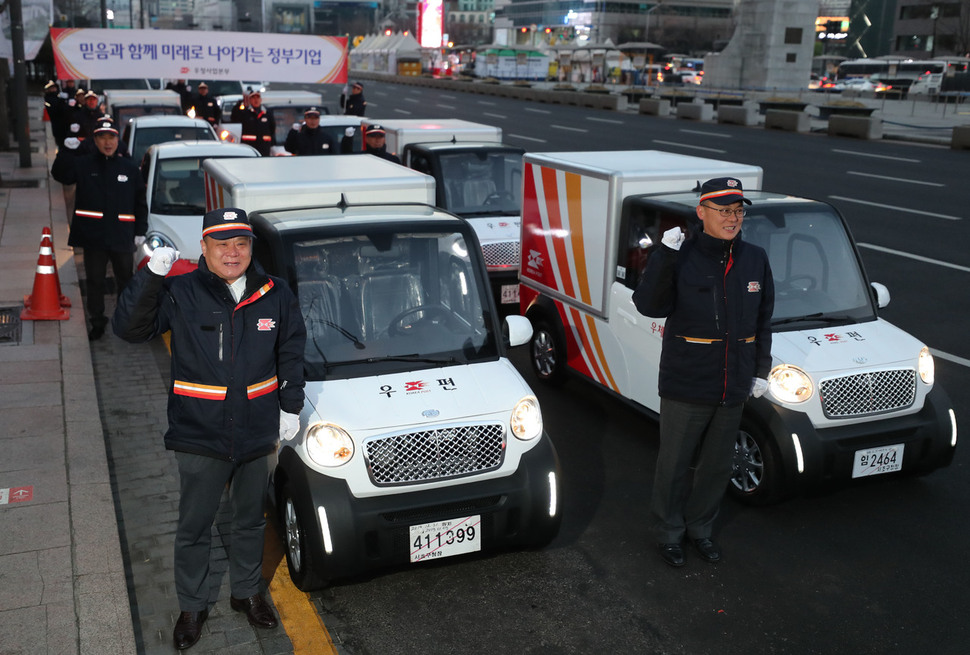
x: 723, y: 191
x: 358, y: 85
x: 90, y: 94
x: 50, y: 85
x: 203, y: 85
x: 226, y: 223
x: 105, y: 125
x: 375, y: 129
x: 312, y: 111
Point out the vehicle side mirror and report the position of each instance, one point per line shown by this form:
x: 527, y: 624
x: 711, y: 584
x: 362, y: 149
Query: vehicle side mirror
x: 518, y: 330
x: 881, y: 293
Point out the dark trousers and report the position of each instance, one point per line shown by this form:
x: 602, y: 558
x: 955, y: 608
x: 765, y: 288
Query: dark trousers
x: 202, y: 481
x: 693, y: 468
x: 96, y: 269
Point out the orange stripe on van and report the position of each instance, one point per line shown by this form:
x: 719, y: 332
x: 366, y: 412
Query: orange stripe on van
x: 550, y: 191
x: 574, y: 203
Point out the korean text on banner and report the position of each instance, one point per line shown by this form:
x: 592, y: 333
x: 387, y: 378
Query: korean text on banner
x: 87, y: 53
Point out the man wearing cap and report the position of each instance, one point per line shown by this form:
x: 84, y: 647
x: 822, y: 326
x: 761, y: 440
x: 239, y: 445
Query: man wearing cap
x: 237, y: 339
x: 56, y: 107
x: 717, y: 295
x: 110, y: 217
x: 309, y: 139
x: 205, y: 106
x: 89, y: 114
x: 375, y: 143
x: 354, y: 104
x: 258, y: 125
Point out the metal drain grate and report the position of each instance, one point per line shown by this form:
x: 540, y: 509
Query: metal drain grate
x: 10, y: 331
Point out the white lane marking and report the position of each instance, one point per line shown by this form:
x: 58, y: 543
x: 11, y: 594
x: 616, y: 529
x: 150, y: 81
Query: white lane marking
x: 919, y: 258
x: 604, y: 120
x: 894, y: 179
x: 486, y: 102
x: 687, y: 145
x: 412, y: 100
x: 402, y: 111
x: 895, y: 208
x: 950, y: 358
x: 866, y: 154
x: 703, y: 133
x: 444, y: 95
x: 493, y: 115
x: 570, y: 129
x: 527, y: 138
x: 538, y: 111
x: 446, y: 106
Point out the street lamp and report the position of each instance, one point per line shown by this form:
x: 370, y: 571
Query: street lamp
x: 646, y: 27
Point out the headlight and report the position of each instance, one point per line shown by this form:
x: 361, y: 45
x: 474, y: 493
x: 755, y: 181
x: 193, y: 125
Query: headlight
x: 328, y: 445
x: 526, y: 422
x: 790, y: 384
x: 927, y: 369
x: 157, y: 241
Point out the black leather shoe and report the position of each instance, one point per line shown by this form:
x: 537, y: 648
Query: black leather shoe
x: 188, y: 628
x: 672, y: 554
x: 708, y: 549
x: 96, y: 333
x: 259, y: 614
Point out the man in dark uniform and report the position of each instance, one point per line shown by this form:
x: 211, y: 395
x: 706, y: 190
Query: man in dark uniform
x: 258, y: 125
x: 55, y: 106
x: 237, y: 390
x: 354, y: 104
x: 110, y: 216
x: 309, y: 139
x: 375, y: 143
x: 206, y: 106
x: 89, y: 115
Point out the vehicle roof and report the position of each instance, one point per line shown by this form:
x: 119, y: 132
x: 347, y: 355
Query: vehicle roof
x: 326, y: 171
x: 181, y: 149
x: 290, y: 98
x: 118, y: 96
x: 641, y: 163
x: 167, y: 121
x: 466, y: 146
x: 757, y: 198
x: 431, y: 124
x: 340, y: 119
x: 401, y: 216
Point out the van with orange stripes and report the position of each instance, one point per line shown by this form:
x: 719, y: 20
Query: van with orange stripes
x: 850, y: 395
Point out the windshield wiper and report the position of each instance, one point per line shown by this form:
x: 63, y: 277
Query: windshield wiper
x: 412, y: 358
x: 818, y: 316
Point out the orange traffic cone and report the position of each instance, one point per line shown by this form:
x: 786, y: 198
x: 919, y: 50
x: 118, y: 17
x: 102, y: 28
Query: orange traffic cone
x: 47, y: 247
x: 44, y: 303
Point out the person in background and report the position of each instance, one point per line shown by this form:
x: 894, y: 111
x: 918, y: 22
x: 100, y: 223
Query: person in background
x: 354, y: 104
x: 309, y: 138
x: 89, y: 114
x: 258, y: 125
x: 55, y: 106
x: 237, y: 389
x: 110, y: 217
x: 375, y: 143
x: 716, y: 292
x: 205, y: 106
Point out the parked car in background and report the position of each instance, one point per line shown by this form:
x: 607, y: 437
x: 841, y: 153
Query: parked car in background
x: 287, y: 107
x: 101, y: 85
x: 175, y: 196
x: 144, y: 131
x: 124, y: 104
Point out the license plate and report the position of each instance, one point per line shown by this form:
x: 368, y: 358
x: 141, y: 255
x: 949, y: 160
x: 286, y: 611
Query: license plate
x: 873, y: 461
x: 510, y: 294
x: 446, y: 538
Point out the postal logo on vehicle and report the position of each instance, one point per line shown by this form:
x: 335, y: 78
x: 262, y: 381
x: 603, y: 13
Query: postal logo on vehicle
x: 265, y: 324
x: 535, y: 259
x: 754, y: 287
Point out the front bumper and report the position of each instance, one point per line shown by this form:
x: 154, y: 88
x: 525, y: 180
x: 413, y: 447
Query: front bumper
x: 373, y: 533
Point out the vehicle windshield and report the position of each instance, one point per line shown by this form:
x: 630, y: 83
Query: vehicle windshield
x: 178, y: 188
x: 817, y: 275
x: 482, y: 183
x: 123, y: 114
x: 149, y: 136
x: 391, y: 302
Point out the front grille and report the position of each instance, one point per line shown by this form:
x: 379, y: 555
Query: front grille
x: 868, y: 393
x: 502, y: 253
x: 439, y: 454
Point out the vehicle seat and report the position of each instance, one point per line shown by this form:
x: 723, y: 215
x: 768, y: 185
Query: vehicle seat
x: 476, y: 190
x: 384, y: 295
x: 322, y: 307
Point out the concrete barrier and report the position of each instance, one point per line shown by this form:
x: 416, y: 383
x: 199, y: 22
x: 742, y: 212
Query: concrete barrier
x: 695, y: 111
x: 738, y: 114
x: 862, y: 127
x: 961, y: 137
x: 654, y: 106
x: 783, y: 119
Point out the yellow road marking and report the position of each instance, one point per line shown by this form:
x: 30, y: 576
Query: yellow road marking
x: 299, y: 618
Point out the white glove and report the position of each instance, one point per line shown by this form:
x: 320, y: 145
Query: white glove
x: 296, y: 126
x: 289, y: 425
x: 346, y: 89
x: 75, y: 128
x: 758, y: 387
x: 349, y: 132
x: 672, y: 238
x: 139, y: 240
x: 72, y: 142
x: 162, y: 260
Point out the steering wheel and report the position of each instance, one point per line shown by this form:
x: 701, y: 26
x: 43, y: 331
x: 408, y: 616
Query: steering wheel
x: 498, y: 196
x: 434, y: 313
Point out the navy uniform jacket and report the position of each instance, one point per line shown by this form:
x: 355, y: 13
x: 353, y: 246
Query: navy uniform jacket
x: 234, y: 365
x: 109, y: 205
x: 259, y: 129
x: 717, y: 297
x: 309, y: 142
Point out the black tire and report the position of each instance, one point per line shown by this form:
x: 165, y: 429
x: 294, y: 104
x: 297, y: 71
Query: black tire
x: 300, y: 558
x: 547, y: 353
x: 757, y: 478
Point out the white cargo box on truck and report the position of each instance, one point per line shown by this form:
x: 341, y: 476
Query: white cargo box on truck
x: 401, y: 132
x: 572, y: 194
x: 292, y: 182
